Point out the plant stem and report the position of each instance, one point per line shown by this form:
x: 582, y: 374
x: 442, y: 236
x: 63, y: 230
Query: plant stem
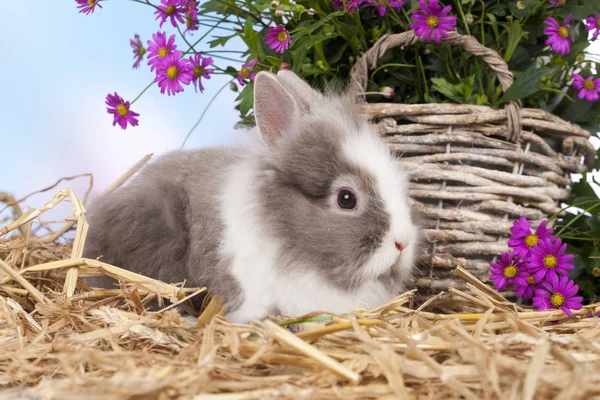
x: 143, y: 91
x: 204, y: 112
x: 462, y: 16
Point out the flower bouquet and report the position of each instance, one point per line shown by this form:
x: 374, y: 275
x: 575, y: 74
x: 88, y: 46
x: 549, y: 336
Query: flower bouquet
x: 545, y: 44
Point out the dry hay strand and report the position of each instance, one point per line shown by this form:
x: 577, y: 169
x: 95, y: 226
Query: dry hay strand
x: 62, y: 339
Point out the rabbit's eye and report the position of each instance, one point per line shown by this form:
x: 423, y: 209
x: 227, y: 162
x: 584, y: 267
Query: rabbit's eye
x: 346, y: 199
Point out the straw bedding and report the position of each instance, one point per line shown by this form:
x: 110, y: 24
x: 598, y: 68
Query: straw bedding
x: 61, y: 339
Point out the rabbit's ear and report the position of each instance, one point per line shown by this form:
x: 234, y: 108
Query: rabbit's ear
x: 274, y: 108
x: 303, y: 95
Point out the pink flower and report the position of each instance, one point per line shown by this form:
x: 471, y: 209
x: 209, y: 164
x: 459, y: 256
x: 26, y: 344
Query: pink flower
x: 588, y: 88
x: 387, y: 92
x: 159, y: 48
x: 381, y: 6
x: 593, y: 24
x: 247, y: 72
x: 170, y: 9
x: 432, y: 21
x: 87, y: 6
x: 558, y: 3
x: 173, y: 72
x: 559, y: 37
x: 526, y: 288
x: 191, y: 16
x: 548, y: 259
x: 198, y: 65
x: 350, y: 5
x: 278, y: 39
x: 120, y: 110
x: 507, y: 271
x: 522, y: 240
x: 138, y: 50
x: 558, y: 294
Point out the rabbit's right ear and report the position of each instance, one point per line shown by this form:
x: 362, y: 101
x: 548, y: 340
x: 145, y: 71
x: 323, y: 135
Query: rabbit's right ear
x: 303, y: 95
x: 274, y: 108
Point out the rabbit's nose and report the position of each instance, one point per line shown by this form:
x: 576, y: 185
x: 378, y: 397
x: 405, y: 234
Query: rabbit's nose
x: 399, y: 245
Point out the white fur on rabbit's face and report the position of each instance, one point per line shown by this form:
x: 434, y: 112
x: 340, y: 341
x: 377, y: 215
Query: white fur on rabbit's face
x: 316, y: 146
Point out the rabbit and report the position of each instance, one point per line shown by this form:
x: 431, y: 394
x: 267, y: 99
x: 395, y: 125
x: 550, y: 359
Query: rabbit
x: 312, y: 215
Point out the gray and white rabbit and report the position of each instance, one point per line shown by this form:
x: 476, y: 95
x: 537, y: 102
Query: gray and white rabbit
x: 314, y: 215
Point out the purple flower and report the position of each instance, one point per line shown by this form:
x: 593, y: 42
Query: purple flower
x: 173, y: 72
x: 593, y: 24
x: 558, y: 294
x: 138, y: 50
x: 559, y: 36
x: 432, y: 21
x: 87, y: 6
x: 172, y: 9
x: 522, y: 240
x: 350, y: 6
x: 507, y: 271
x: 159, y: 48
x: 120, y: 110
x: 199, y: 70
x: 381, y: 6
x: 558, y: 3
x: 548, y: 259
x: 525, y: 289
x: 278, y: 38
x: 247, y: 72
x: 191, y: 16
x: 588, y: 88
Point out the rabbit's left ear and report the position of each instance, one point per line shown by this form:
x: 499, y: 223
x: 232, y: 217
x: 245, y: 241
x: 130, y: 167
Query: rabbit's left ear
x: 274, y: 108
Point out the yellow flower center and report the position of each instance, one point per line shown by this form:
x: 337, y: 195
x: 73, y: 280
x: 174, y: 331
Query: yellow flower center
x: 433, y: 21
x: 198, y: 71
x: 170, y: 9
x: 520, y: 5
x: 510, y: 271
x: 531, y: 240
x: 598, y: 22
x: 282, y: 36
x: 172, y: 72
x: 589, y: 84
x: 557, y: 300
x: 245, y: 73
x: 530, y: 280
x: 189, y: 22
x: 550, y: 261
x: 91, y: 3
x: 122, y: 110
x: 563, y: 32
x: 162, y: 52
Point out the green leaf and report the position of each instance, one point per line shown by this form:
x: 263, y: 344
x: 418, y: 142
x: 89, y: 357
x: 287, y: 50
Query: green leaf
x: 577, y: 110
x: 449, y: 90
x: 494, y: 24
x: 220, y: 41
x: 526, y: 85
x: 515, y: 34
x: 246, y: 98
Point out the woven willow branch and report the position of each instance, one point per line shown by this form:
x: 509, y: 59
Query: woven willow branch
x: 474, y: 169
x: 359, y: 75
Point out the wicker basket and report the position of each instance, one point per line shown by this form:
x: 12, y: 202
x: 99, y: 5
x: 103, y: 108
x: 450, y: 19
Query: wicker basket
x: 475, y: 169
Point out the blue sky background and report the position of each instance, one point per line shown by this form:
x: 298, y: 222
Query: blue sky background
x: 59, y: 65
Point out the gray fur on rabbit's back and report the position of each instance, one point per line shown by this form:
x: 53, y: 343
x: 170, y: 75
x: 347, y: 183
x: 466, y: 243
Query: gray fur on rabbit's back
x: 148, y: 226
